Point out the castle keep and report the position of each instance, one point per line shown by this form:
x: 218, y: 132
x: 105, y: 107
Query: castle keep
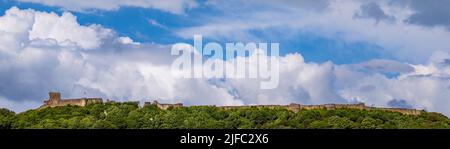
x: 55, y: 101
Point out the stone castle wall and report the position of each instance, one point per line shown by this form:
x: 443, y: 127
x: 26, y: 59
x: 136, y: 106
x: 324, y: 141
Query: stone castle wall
x: 163, y: 105
x: 297, y: 107
x: 403, y: 111
x: 55, y: 101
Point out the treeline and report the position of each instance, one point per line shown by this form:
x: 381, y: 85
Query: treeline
x: 130, y: 116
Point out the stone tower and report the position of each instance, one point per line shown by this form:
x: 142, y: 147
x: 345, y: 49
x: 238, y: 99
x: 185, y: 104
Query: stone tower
x: 54, y: 100
x: 54, y: 97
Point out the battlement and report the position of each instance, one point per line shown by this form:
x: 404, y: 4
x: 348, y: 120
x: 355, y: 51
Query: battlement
x: 297, y: 107
x: 163, y: 106
x: 56, y: 101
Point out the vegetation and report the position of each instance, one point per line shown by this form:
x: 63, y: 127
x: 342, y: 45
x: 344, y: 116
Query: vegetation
x: 130, y: 116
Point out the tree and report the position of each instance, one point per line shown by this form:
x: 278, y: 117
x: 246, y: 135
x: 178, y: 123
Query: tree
x: 6, y: 118
x: 134, y: 119
x: 129, y: 115
x: 369, y: 123
x: 102, y: 124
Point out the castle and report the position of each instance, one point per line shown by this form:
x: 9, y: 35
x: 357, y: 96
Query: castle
x: 55, y: 101
x: 297, y: 107
x: 163, y: 106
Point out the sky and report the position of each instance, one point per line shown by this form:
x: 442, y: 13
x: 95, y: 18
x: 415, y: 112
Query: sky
x: 385, y: 53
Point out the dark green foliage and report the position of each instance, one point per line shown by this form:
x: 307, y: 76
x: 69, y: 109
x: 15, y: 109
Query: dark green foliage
x: 6, y: 118
x: 130, y: 116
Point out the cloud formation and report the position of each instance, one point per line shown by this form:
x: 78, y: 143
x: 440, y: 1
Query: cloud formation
x: 427, y: 13
x: 385, y: 24
x: 94, y: 61
x: 172, y: 6
x: 373, y: 10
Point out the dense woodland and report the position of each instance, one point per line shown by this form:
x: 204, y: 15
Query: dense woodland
x: 130, y: 116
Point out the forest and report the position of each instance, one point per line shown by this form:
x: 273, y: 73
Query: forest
x: 131, y: 116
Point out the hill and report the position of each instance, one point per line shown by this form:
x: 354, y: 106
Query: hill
x: 130, y: 116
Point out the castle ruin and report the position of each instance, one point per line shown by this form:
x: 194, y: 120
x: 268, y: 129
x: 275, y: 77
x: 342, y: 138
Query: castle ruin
x: 163, y: 106
x: 297, y: 107
x: 55, y: 101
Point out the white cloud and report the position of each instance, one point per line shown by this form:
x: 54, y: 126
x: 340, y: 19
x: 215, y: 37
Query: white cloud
x: 34, y: 60
x: 39, y: 61
x: 127, y: 40
x: 172, y: 6
x: 301, y: 82
x: 406, y: 42
x: 66, y: 30
x: 426, y: 87
x: 154, y: 22
x: 383, y: 66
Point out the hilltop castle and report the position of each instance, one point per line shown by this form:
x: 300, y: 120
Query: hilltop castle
x: 297, y: 107
x: 56, y: 101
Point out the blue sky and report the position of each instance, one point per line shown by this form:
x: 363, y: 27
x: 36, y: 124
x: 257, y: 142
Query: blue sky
x: 345, y: 51
x: 136, y: 23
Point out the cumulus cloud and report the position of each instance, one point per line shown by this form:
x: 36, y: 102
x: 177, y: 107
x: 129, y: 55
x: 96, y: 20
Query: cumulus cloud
x: 299, y: 82
x: 66, y: 30
x: 34, y: 59
x: 426, y: 87
x: 172, y: 6
x: 403, y: 40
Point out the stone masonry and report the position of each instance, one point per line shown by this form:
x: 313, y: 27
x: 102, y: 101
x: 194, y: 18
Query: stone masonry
x: 55, y: 101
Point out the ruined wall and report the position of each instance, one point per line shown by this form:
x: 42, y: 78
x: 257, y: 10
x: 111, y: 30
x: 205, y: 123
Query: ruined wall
x: 360, y: 106
x: 163, y: 106
x: 403, y: 111
x: 56, y: 101
x: 233, y: 107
